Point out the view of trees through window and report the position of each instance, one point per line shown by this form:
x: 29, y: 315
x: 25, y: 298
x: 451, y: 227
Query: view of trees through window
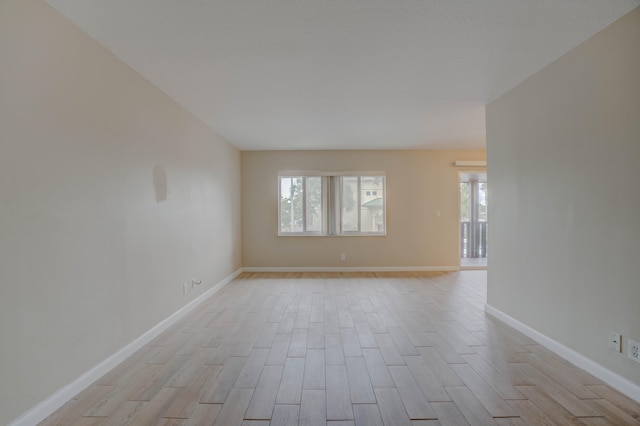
x: 465, y: 213
x: 301, y: 204
x: 358, y: 203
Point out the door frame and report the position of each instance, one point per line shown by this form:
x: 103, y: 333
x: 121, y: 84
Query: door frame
x: 462, y: 171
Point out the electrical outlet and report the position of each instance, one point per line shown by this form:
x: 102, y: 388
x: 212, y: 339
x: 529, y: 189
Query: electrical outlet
x: 634, y: 350
x: 615, y: 341
x: 343, y: 256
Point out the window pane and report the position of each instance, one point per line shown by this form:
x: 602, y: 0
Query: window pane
x: 464, y: 201
x: 313, y: 198
x: 349, y: 210
x: 482, y: 201
x: 291, y: 204
x: 372, y: 204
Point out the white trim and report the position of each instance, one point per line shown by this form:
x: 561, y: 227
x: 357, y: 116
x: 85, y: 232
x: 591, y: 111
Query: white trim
x: 463, y: 163
x: 56, y: 400
x: 350, y: 268
x: 614, y: 380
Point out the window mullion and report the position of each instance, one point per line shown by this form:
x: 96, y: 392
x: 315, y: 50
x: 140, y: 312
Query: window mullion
x: 291, y: 205
x: 358, y: 202
x: 338, y: 204
x: 330, y: 219
x: 336, y: 216
x: 304, y: 204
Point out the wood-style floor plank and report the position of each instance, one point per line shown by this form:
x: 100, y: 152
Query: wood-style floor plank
x: 298, y: 345
x: 359, y: 382
x: 218, y: 388
x: 533, y: 415
x: 250, y: 373
x: 367, y: 415
x: 573, y: 404
x: 314, y: 370
x: 426, y: 379
x: 391, y: 408
x: 334, y: 353
x: 492, y: 402
x: 290, y: 390
x: 402, y: 342
x: 126, y: 413
x: 471, y: 408
x: 512, y: 421
x: 497, y: 381
x: 286, y: 415
x: 316, y: 336
x: 232, y: 412
x: 547, y: 405
x: 378, y: 370
x: 610, y: 411
x: 365, y: 335
x: 264, y: 396
x: 204, y: 414
x: 624, y: 403
x: 346, y: 349
x: 412, y: 397
x: 439, y: 367
x: 388, y: 349
x: 313, y: 409
x: 350, y: 343
x: 279, y: 349
x: 338, y: 396
x: 449, y: 414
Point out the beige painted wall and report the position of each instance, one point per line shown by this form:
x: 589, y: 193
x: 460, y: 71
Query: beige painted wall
x: 93, y: 250
x: 418, y: 184
x: 564, y: 157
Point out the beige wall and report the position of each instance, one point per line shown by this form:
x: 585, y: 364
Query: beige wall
x: 564, y: 157
x: 93, y: 249
x: 418, y: 184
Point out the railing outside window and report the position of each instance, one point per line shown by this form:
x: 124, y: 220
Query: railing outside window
x: 473, y: 244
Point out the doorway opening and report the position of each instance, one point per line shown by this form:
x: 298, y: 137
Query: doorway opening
x: 473, y: 220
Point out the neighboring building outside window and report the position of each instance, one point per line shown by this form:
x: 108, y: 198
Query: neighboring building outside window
x: 331, y: 204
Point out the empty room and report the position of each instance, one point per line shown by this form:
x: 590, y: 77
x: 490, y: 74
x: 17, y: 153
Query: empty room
x: 335, y: 213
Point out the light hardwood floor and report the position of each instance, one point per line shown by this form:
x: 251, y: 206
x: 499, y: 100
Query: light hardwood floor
x: 346, y: 349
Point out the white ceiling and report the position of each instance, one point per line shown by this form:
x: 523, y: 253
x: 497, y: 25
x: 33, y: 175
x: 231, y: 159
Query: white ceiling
x: 341, y: 74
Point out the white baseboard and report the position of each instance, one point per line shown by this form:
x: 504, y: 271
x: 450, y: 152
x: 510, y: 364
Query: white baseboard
x: 614, y: 380
x: 350, y: 268
x: 46, y: 407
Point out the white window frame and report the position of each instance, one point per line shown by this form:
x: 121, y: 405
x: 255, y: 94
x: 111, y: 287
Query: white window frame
x: 338, y: 203
x: 323, y: 208
x: 332, y: 203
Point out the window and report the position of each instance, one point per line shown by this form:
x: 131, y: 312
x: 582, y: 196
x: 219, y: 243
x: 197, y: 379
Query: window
x: 331, y: 204
x: 301, y: 204
x: 362, y: 210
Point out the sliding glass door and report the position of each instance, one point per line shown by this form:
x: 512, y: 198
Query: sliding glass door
x: 473, y: 219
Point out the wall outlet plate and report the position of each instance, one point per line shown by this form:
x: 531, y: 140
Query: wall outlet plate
x: 634, y: 350
x: 615, y: 341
